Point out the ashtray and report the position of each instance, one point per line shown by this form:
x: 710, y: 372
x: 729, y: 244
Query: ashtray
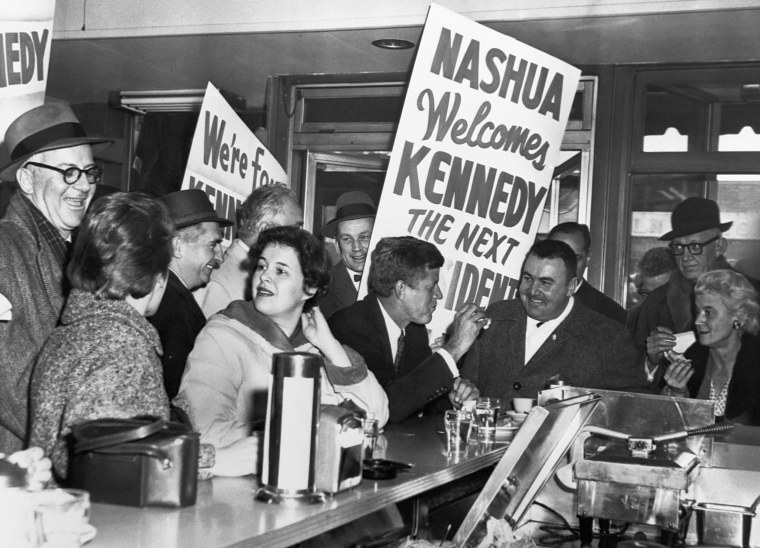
x: 380, y: 469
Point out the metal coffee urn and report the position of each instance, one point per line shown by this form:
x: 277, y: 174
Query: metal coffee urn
x: 290, y: 437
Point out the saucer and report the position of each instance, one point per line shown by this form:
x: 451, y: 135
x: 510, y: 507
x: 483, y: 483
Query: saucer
x: 516, y: 417
x: 88, y: 533
x: 506, y: 433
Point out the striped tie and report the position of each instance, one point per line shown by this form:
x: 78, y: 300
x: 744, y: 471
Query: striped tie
x: 399, y: 352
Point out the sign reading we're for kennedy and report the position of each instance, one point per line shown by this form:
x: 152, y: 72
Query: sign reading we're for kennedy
x: 473, y: 158
x: 227, y: 161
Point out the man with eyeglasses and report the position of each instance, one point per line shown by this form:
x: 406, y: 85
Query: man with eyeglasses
x: 196, y: 253
x: 352, y: 230
x: 698, y: 246
x: 49, y: 154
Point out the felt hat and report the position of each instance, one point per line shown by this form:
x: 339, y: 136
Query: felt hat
x: 191, y: 207
x: 694, y: 215
x: 350, y: 205
x: 47, y: 127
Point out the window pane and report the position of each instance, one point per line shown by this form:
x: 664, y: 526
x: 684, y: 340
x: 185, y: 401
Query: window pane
x: 655, y: 196
x: 674, y: 120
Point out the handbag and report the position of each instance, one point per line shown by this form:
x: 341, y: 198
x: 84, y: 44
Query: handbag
x: 135, y: 462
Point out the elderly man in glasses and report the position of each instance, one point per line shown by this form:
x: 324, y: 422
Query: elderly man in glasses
x: 698, y: 246
x: 50, y: 156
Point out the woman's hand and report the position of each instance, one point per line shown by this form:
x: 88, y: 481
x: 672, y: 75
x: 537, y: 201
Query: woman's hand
x: 239, y: 458
x: 318, y: 333
x: 36, y: 465
x: 677, y: 376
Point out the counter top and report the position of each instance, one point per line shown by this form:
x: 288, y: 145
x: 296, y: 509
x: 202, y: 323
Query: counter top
x: 227, y: 514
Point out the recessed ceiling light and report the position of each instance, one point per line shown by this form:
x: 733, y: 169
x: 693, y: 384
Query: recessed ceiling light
x: 393, y: 43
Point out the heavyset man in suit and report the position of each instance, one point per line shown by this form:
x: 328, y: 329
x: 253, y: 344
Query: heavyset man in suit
x: 388, y: 329
x: 548, y: 332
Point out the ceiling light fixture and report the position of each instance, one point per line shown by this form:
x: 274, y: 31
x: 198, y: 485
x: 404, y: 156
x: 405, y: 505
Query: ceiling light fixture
x: 180, y: 100
x: 393, y: 43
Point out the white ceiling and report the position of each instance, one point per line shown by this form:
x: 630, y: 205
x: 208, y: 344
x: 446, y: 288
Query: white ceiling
x: 85, y: 70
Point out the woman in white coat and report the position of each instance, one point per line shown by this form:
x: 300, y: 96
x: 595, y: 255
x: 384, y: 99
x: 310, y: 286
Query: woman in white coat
x: 226, y: 381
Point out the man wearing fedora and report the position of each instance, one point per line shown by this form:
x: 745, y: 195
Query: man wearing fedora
x: 49, y: 154
x: 265, y: 207
x: 352, y: 229
x: 698, y: 246
x: 196, y: 254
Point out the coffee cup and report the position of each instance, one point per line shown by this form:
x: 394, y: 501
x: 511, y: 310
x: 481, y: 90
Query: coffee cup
x: 523, y: 405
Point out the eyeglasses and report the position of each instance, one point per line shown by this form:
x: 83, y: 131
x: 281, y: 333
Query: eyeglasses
x: 695, y: 248
x: 72, y: 174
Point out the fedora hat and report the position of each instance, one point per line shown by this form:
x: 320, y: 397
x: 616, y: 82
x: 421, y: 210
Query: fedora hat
x: 694, y: 215
x: 47, y: 127
x: 350, y: 205
x: 191, y: 207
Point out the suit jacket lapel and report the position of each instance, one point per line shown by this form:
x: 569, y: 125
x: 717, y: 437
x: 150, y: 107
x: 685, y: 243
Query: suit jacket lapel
x: 516, y: 338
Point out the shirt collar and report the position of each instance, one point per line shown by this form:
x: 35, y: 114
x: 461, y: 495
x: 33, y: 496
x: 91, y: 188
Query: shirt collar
x: 393, y: 329
x: 551, y: 325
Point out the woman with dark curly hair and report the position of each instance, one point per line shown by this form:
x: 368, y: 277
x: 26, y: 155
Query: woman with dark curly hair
x: 224, y: 388
x: 724, y: 365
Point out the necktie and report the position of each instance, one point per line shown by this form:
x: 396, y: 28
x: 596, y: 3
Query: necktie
x: 357, y: 277
x: 539, y: 324
x: 399, y: 352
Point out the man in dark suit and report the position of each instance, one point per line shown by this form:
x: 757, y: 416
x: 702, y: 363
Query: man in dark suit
x: 388, y: 328
x: 578, y: 237
x: 352, y: 230
x: 197, y: 252
x: 547, y: 332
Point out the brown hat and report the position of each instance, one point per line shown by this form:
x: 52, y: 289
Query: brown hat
x: 694, y: 215
x: 191, y: 207
x: 350, y: 205
x: 47, y: 127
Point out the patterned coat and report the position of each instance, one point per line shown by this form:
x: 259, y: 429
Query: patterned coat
x: 103, y: 361
x: 32, y: 280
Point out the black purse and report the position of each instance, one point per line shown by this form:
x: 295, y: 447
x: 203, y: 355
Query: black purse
x: 135, y: 462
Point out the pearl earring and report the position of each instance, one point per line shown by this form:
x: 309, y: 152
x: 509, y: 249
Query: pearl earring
x: 736, y: 324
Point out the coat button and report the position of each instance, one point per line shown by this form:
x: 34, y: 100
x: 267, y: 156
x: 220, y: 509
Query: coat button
x: 516, y: 385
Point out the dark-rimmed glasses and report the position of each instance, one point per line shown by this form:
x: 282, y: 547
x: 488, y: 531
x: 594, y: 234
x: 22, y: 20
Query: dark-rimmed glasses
x: 72, y: 174
x: 695, y: 248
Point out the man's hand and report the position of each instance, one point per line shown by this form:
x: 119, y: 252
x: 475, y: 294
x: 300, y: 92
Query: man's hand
x: 462, y: 391
x: 659, y: 341
x: 467, y: 324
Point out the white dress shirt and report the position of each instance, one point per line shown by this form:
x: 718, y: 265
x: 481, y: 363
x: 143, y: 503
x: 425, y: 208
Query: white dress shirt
x: 536, y: 335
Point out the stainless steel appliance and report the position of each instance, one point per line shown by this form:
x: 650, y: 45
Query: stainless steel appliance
x: 339, y: 449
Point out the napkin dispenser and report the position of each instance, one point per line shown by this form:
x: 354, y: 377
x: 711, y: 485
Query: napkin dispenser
x: 339, y: 449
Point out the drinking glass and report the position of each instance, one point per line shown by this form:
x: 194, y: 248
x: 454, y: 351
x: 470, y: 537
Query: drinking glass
x: 486, y: 414
x: 371, y: 431
x: 457, y: 425
x: 61, y: 517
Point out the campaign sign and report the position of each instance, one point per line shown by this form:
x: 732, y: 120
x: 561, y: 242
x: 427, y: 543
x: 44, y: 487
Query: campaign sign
x: 24, y: 59
x: 473, y: 158
x: 227, y: 161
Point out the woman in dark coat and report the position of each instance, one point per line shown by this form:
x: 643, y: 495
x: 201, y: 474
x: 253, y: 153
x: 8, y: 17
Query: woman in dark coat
x: 724, y: 365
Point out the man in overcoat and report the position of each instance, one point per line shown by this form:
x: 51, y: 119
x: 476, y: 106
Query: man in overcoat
x: 50, y: 157
x: 546, y: 332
